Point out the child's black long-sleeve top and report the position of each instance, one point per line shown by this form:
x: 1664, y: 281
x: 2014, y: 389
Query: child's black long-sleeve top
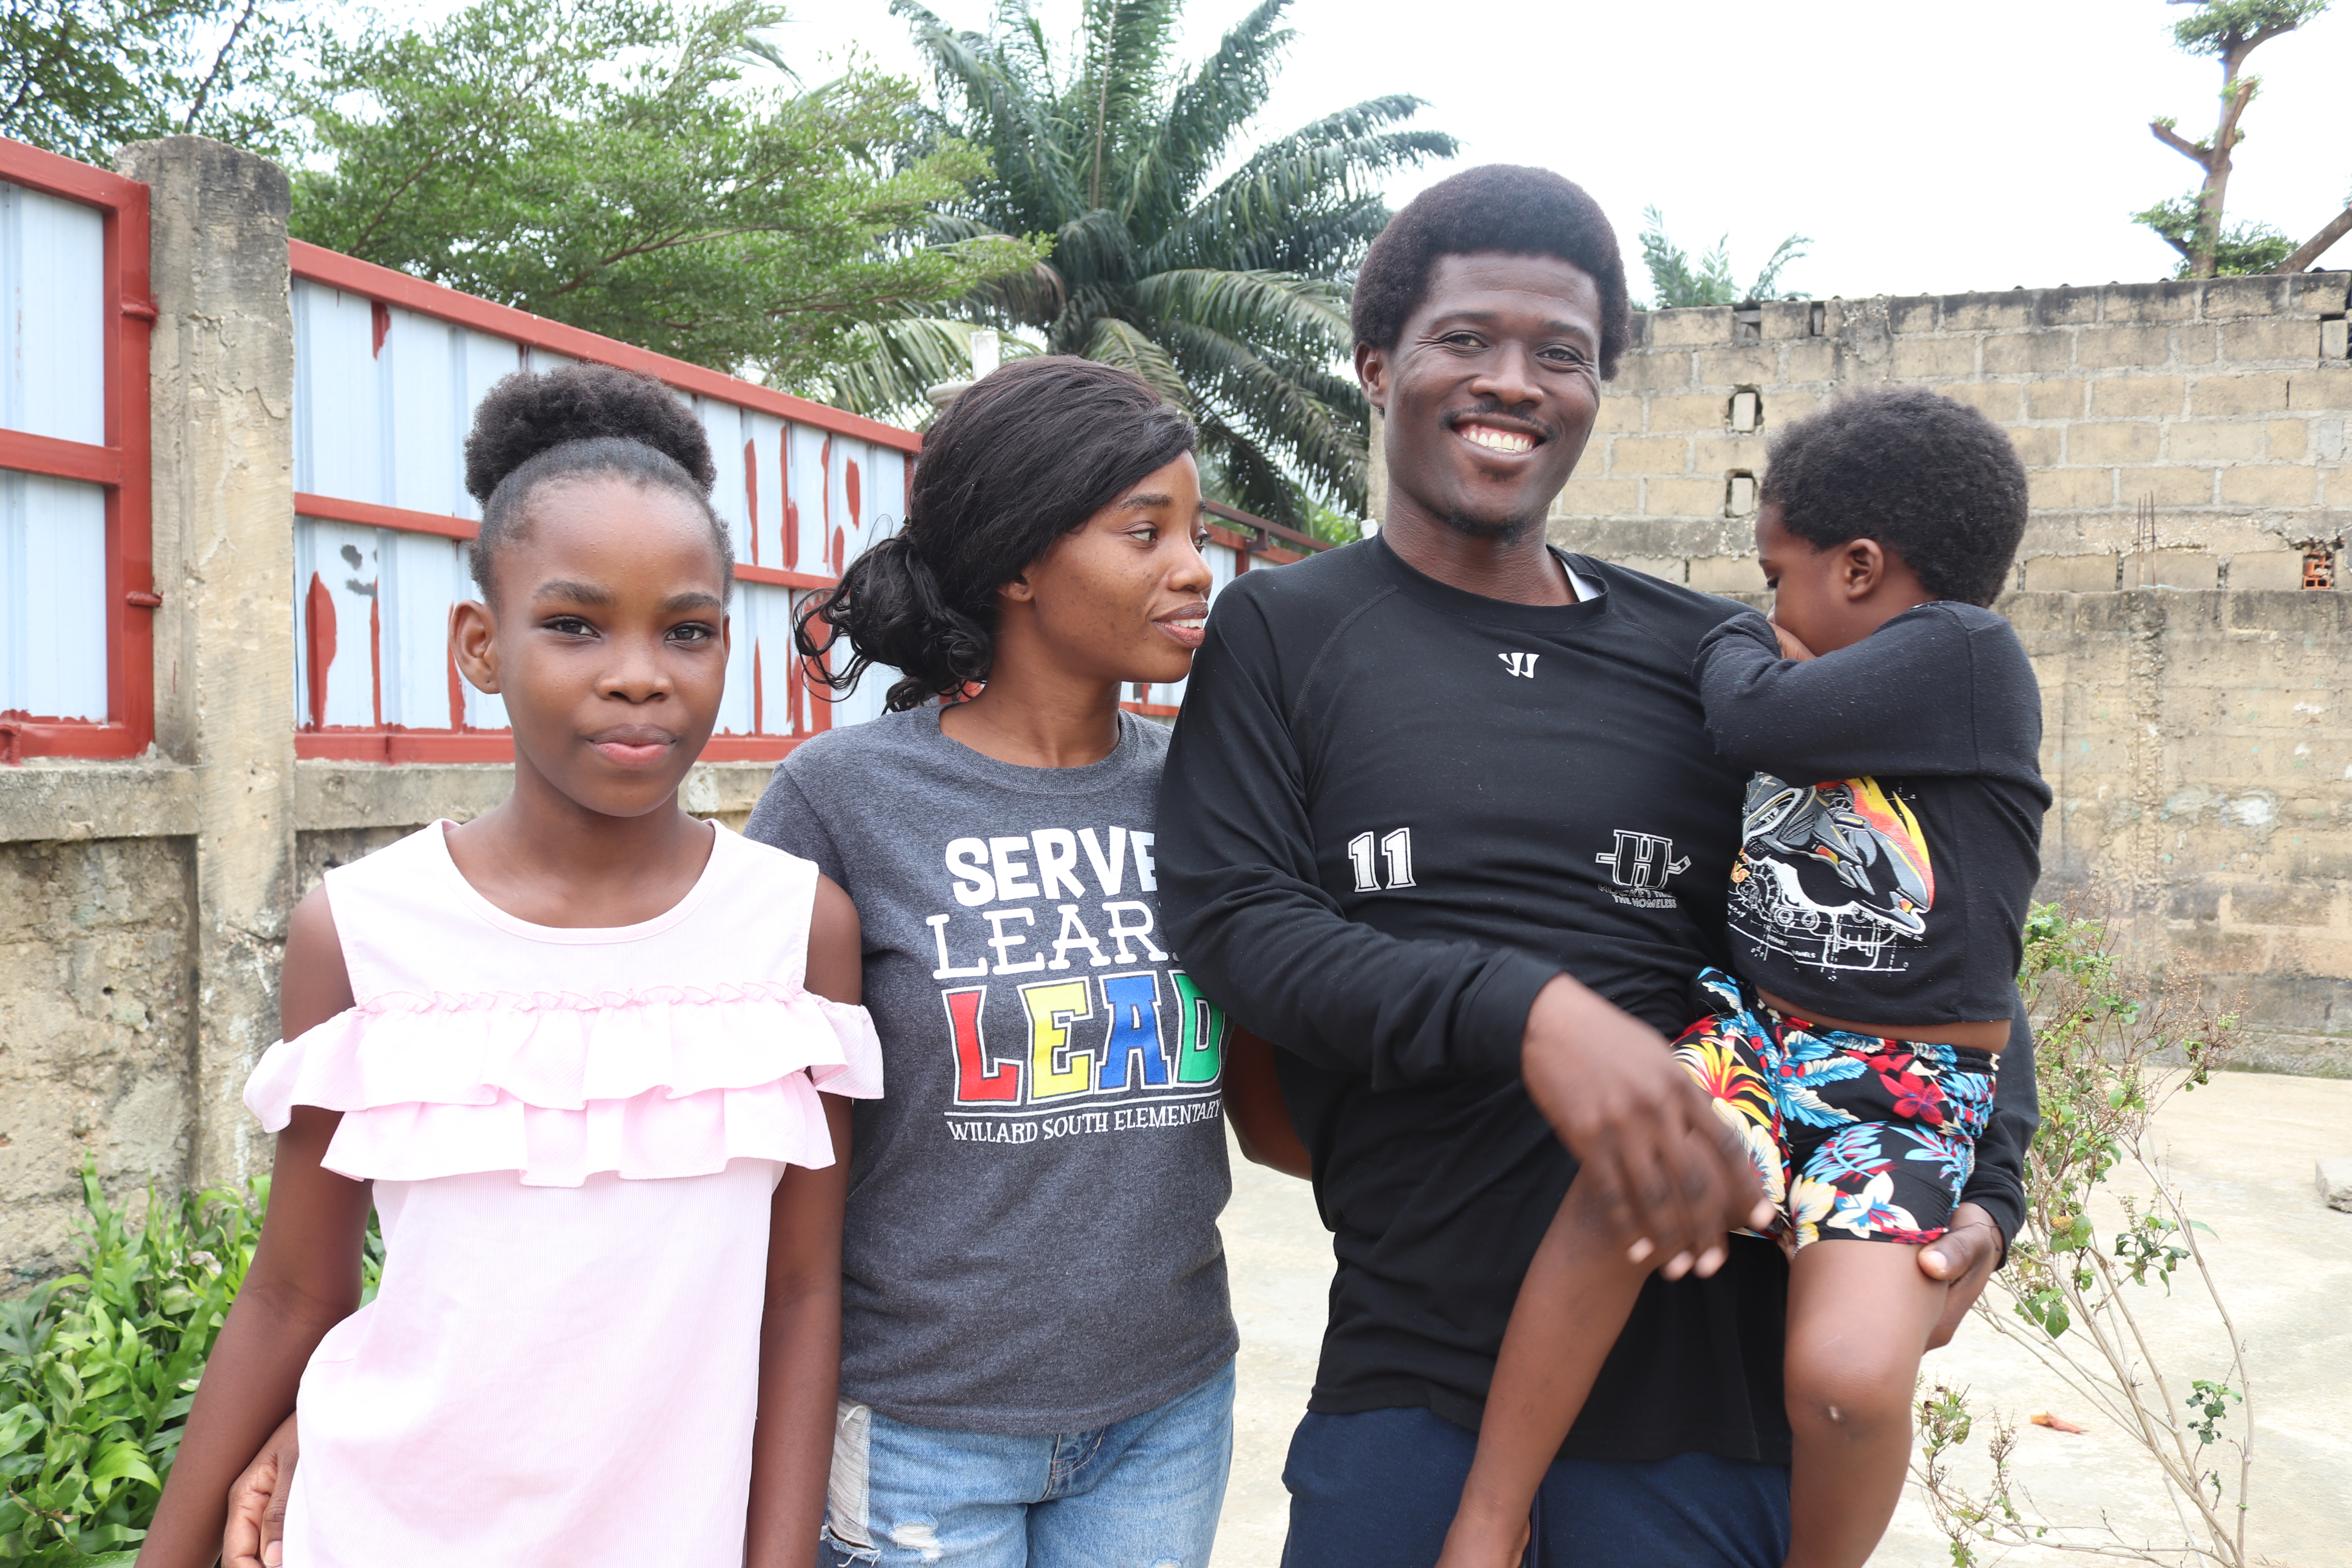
x: 1391, y: 812
x: 1892, y: 834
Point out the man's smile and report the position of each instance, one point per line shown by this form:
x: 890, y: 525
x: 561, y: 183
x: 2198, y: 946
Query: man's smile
x: 1509, y: 437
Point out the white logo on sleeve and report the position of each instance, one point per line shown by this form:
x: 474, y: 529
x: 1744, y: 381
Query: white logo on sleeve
x: 1522, y: 664
x: 1639, y: 867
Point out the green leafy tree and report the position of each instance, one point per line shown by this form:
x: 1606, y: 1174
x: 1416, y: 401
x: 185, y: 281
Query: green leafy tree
x: 1229, y: 295
x: 1676, y: 280
x: 2228, y: 30
x: 83, y: 76
x: 645, y: 171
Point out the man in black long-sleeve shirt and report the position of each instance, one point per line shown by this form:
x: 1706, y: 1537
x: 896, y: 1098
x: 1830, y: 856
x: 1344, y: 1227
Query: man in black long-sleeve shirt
x: 1441, y: 812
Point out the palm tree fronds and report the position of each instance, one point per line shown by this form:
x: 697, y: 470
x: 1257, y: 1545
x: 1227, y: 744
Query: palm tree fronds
x: 902, y: 360
x: 1264, y: 308
x: 1205, y: 112
x: 1229, y: 300
x: 1114, y: 341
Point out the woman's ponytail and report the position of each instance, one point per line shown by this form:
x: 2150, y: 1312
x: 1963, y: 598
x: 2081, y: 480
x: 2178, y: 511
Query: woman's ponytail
x: 889, y: 608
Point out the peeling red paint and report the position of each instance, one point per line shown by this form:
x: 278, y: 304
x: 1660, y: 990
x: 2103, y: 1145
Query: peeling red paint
x: 381, y: 315
x: 792, y: 518
x: 751, y: 494
x: 824, y: 491
x: 759, y: 693
x: 375, y: 657
x: 457, y: 689
x: 857, y: 512
x: 319, y: 645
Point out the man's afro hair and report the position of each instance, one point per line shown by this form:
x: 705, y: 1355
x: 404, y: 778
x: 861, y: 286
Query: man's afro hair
x: 1933, y: 480
x: 1497, y: 208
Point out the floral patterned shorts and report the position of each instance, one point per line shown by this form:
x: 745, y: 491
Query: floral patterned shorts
x: 1853, y: 1136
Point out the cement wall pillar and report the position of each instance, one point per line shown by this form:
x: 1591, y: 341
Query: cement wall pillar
x: 222, y: 369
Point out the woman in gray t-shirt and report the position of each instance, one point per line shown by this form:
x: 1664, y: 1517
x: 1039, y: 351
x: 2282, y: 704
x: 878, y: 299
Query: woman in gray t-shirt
x: 1037, y: 1341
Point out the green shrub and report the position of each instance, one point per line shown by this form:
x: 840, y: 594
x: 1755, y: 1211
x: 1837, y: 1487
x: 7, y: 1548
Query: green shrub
x: 98, y: 1370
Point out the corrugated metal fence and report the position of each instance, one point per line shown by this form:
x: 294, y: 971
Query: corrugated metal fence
x: 76, y: 644
x: 388, y: 370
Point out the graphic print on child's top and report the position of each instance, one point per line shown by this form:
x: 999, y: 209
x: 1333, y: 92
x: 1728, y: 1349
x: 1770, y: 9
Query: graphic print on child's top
x: 572, y: 1053
x: 1853, y: 1136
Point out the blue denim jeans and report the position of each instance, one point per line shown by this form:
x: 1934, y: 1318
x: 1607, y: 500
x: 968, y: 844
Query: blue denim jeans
x: 1143, y: 1493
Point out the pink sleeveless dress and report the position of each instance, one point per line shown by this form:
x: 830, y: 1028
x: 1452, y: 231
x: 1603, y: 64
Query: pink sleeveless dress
x: 573, y: 1136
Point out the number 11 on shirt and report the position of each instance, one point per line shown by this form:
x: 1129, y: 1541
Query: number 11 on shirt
x: 1395, y: 847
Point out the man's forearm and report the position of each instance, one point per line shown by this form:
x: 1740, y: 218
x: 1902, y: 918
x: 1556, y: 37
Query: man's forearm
x: 1998, y: 1184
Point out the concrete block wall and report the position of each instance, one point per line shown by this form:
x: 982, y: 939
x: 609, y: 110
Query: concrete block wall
x: 2198, y: 748
x: 2187, y: 449
x: 2220, y: 408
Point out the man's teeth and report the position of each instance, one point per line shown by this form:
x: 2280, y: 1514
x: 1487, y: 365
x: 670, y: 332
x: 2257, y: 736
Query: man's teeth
x: 1499, y: 440
x: 1190, y: 623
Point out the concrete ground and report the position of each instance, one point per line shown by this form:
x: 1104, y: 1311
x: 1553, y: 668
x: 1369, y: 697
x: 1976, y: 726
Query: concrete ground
x: 2242, y: 1149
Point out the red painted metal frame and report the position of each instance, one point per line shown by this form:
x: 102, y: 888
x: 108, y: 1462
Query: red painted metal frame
x: 121, y: 464
x: 384, y: 284
x: 1250, y: 537
x: 386, y: 287
x: 1257, y: 536
x: 354, y: 744
x: 367, y: 514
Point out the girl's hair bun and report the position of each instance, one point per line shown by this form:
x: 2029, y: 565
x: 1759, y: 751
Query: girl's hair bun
x: 527, y: 413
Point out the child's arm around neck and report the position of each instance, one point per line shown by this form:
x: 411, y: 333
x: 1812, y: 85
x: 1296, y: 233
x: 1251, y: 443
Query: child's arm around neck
x: 305, y: 1279
x: 1901, y: 701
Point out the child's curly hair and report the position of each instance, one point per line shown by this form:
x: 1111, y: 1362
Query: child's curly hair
x: 578, y: 421
x: 1933, y: 480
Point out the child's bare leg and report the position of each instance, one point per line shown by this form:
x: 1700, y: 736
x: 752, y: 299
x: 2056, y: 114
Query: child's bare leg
x: 1859, y: 1317
x: 1576, y: 1296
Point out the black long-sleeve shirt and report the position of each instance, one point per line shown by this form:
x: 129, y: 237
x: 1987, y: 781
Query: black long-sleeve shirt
x: 1893, y: 831
x: 1391, y: 812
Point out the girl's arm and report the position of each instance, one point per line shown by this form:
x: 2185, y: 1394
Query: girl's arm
x: 1253, y: 1104
x: 800, y: 1330
x: 304, y: 1280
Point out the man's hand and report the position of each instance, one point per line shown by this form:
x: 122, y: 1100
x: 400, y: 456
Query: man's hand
x: 256, y: 1503
x: 1672, y: 1176
x: 1965, y: 1256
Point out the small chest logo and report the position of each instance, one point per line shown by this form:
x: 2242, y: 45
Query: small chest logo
x: 1639, y: 867
x: 1521, y: 664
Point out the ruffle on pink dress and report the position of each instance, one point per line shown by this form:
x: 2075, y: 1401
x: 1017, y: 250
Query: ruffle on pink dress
x: 664, y: 1081
x: 574, y: 1136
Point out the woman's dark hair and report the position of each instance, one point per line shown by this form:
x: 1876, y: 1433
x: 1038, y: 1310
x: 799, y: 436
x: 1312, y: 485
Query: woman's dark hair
x: 1498, y: 208
x: 1931, y: 480
x: 1025, y: 456
x: 582, y: 421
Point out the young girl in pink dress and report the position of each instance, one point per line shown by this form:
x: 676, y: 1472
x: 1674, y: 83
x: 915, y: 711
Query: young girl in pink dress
x: 570, y: 1053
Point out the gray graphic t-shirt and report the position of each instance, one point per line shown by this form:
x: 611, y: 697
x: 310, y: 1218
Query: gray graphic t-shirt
x: 1031, y: 1243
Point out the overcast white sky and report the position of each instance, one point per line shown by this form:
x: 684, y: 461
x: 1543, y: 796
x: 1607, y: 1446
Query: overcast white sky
x: 1924, y: 148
